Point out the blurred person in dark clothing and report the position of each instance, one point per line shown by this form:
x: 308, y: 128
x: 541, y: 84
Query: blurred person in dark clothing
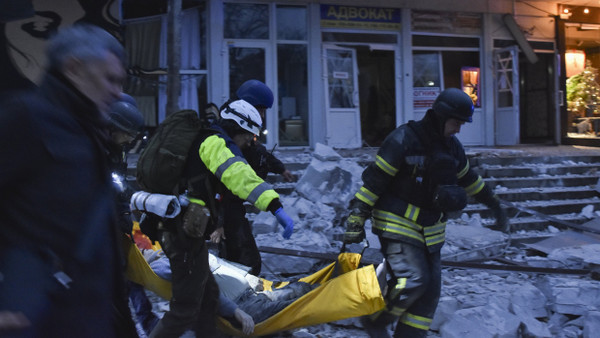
x: 59, y: 259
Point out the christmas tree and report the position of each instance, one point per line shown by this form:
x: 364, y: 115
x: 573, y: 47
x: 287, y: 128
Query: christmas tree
x: 583, y: 92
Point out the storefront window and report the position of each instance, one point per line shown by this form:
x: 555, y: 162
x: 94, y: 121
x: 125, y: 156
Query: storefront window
x: 245, y: 63
x: 435, y: 71
x: 293, y: 94
x: 582, y: 63
x: 291, y: 23
x: 145, y: 42
x: 292, y: 75
x: 246, y: 21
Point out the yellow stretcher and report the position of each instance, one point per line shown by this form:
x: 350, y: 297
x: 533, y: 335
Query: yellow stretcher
x: 345, y: 291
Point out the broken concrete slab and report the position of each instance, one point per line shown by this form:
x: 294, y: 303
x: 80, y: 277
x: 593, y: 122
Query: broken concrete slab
x: 530, y: 299
x: 531, y: 327
x: 571, y: 296
x: 330, y: 179
x: 577, y: 257
x: 591, y: 325
x: 471, y: 242
x: 567, y: 238
x: 488, y: 320
x: 447, y: 306
x: 326, y: 153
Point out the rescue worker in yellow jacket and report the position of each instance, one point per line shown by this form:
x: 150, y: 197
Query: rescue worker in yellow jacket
x: 215, y: 162
x: 420, y: 173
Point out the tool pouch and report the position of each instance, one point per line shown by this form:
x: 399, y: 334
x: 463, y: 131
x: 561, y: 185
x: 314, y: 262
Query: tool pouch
x: 195, y: 219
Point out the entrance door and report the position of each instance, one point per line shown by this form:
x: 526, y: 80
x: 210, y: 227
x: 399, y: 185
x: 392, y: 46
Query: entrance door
x: 249, y: 60
x: 342, y: 104
x: 506, y: 71
x: 538, y: 99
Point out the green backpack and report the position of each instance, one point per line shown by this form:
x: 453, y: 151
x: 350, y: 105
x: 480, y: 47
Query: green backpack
x: 161, y: 163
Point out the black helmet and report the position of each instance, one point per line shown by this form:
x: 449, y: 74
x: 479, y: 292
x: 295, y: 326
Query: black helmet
x: 454, y: 103
x: 126, y: 117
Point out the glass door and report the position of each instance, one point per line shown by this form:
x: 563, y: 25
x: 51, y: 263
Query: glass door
x: 506, y: 75
x: 342, y: 103
x: 249, y: 60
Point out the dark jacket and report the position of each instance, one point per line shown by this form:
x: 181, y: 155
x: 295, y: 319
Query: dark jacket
x: 262, y: 161
x: 58, y: 207
x: 402, y: 184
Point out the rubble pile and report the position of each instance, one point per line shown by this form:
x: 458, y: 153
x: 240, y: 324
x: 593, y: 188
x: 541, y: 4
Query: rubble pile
x: 474, y: 302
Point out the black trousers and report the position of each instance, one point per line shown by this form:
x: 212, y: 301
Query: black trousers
x: 194, y: 303
x: 240, y: 245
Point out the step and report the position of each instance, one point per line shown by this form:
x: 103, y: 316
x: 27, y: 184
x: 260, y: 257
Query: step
x: 531, y: 223
x: 533, y: 170
x: 543, y: 181
x: 476, y: 161
x: 552, y: 193
x: 548, y: 207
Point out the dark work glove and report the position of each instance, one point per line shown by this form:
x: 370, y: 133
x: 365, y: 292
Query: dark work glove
x: 502, y: 223
x: 286, y: 222
x: 355, y: 229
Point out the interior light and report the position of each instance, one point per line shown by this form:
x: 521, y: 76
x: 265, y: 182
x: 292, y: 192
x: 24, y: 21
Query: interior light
x: 566, y: 11
x: 589, y: 26
x: 574, y: 62
x: 586, y: 11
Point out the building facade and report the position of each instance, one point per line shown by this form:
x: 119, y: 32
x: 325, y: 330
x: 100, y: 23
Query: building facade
x: 345, y: 73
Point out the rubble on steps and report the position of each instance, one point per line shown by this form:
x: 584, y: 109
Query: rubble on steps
x: 474, y: 302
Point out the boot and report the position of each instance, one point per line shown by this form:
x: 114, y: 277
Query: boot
x: 375, y: 330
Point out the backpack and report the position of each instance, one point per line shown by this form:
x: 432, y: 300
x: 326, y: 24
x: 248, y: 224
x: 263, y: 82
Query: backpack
x: 161, y: 163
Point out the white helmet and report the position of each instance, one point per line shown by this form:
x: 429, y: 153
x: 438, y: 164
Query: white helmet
x: 244, y: 114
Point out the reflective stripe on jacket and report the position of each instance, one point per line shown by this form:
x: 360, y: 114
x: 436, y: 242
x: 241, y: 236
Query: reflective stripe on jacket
x: 235, y: 173
x: 400, y: 184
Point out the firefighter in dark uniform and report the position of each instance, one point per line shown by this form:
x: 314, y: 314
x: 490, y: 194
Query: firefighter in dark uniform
x: 420, y: 173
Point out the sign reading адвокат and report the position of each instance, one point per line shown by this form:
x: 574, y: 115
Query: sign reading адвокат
x: 338, y: 16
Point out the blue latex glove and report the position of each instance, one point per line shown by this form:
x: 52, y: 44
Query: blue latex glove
x: 286, y: 222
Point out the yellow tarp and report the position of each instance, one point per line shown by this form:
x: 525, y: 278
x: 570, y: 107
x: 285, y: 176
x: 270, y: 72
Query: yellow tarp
x: 138, y: 271
x: 354, y: 292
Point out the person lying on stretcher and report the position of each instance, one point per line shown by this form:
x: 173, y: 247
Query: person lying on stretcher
x: 241, y: 296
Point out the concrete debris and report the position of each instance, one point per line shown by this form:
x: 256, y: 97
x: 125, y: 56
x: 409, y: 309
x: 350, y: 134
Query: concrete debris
x: 325, y: 153
x: 564, y: 239
x: 472, y: 241
x: 570, y: 296
x: 330, y: 179
x: 577, y: 257
x: 473, y: 303
x: 588, y: 211
x: 530, y: 299
x: 490, y: 320
x: 591, y: 326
